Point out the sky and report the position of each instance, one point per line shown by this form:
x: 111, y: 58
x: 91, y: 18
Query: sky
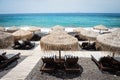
x: 59, y: 6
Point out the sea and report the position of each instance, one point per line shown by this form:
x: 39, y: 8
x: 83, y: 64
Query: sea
x: 48, y: 20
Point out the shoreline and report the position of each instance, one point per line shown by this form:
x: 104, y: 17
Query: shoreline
x: 68, y: 29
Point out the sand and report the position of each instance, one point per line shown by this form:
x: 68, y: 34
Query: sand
x: 90, y: 70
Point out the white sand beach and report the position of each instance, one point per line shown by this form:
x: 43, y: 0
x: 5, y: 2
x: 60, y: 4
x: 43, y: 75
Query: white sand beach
x: 59, y: 39
x: 29, y: 65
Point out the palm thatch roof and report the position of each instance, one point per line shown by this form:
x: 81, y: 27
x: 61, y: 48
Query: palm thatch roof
x: 22, y: 34
x: 88, y: 35
x: 58, y: 27
x: 100, y: 27
x: 59, y: 41
x: 110, y: 42
x: 33, y: 29
x: 78, y: 30
x: 6, y: 39
x: 57, y: 30
x: 12, y: 29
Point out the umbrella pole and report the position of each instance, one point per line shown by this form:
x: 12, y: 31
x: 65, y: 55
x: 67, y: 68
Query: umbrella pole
x: 59, y: 54
x: 100, y: 31
x: 113, y: 54
x: 89, y: 42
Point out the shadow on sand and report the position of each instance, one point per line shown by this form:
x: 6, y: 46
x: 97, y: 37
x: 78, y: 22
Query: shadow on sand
x: 62, y: 74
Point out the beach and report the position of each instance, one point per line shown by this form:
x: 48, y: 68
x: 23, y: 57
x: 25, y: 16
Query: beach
x: 59, y: 40
x: 29, y: 68
x: 30, y: 62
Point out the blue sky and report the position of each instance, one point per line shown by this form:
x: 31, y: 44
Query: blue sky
x: 59, y: 6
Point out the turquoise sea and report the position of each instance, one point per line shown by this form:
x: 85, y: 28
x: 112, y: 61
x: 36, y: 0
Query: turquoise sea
x: 48, y: 20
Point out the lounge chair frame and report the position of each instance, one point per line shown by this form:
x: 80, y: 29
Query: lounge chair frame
x: 48, y: 65
x: 71, y: 65
x: 103, y: 68
x: 5, y: 61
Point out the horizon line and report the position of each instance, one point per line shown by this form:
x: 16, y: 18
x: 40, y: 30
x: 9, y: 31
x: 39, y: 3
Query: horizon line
x: 66, y: 13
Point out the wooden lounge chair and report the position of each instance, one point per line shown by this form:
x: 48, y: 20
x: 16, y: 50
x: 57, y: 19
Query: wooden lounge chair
x: 59, y: 62
x: 28, y: 45
x: 85, y: 45
x: 48, y: 64
x: 17, y: 45
x: 79, y: 39
x: 71, y: 64
x: 88, y: 46
x: 5, y: 60
x: 35, y: 37
x: 24, y: 45
x: 107, y: 64
x: 92, y: 46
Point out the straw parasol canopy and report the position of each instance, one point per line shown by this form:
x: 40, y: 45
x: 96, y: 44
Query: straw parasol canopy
x: 78, y: 30
x: 61, y: 41
x: 89, y: 35
x: 58, y: 27
x: 12, y: 29
x: 6, y: 39
x: 22, y: 34
x: 58, y: 32
x: 2, y: 29
x: 100, y: 27
x: 33, y: 29
x: 109, y: 42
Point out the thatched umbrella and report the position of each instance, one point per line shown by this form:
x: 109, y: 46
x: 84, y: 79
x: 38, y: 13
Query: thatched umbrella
x: 22, y: 34
x: 78, y: 30
x: 100, y: 27
x: 2, y: 29
x: 58, y: 32
x: 59, y: 41
x: 33, y: 29
x: 12, y: 29
x: 88, y: 35
x: 110, y: 42
x: 58, y: 27
x: 6, y: 39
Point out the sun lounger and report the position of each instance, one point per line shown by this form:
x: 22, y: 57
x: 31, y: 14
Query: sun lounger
x: 17, y: 45
x: 5, y: 60
x: 107, y: 64
x: 59, y: 62
x: 28, y: 45
x: 79, y: 39
x: 71, y: 64
x: 88, y: 46
x: 35, y: 37
x: 24, y: 45
x: 48, y: 64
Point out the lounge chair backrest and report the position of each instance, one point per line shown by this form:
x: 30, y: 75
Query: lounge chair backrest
x: 71, y: 60
x: 85, y: 44
x: 92, y: 44
x: 16, y: 43
x: 2, y: 57
x: 27, y: 42
x: 105, y: 59
x: 48, y: 60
